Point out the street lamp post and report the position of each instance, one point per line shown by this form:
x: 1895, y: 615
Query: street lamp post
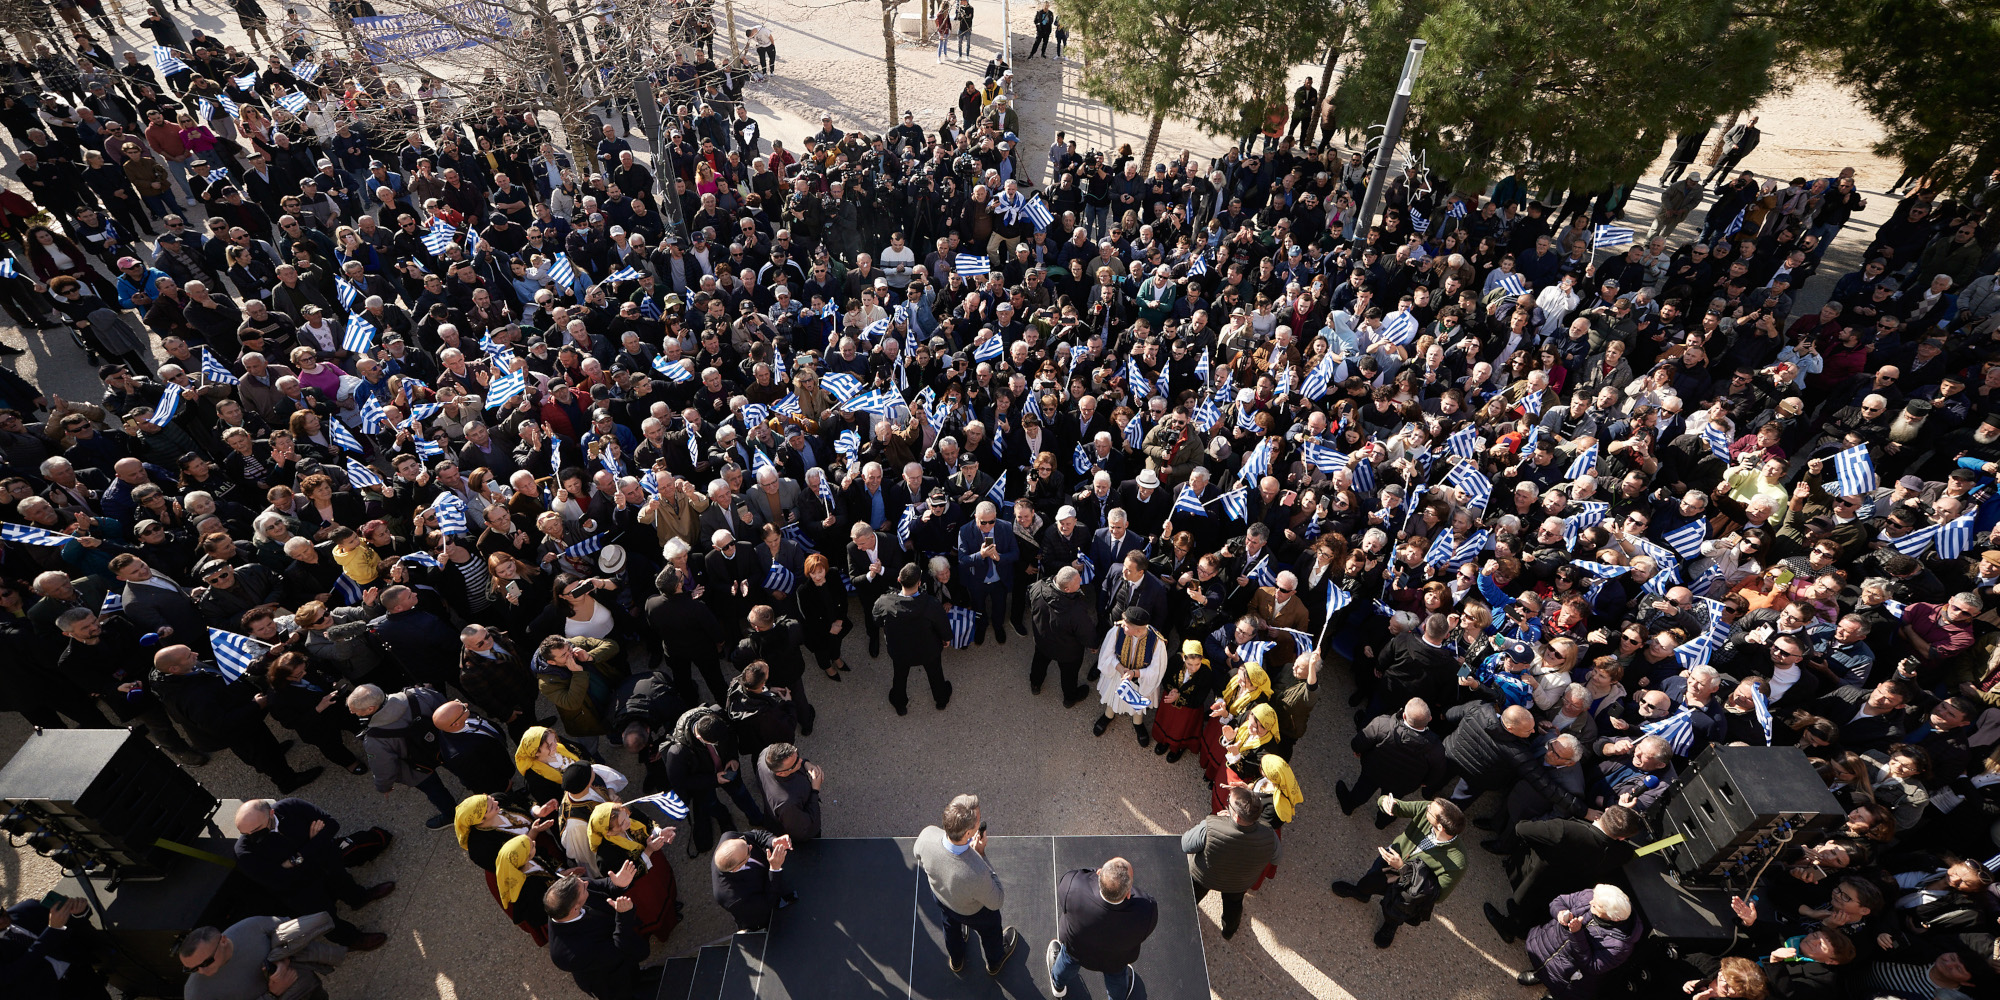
x: 1392, y: 134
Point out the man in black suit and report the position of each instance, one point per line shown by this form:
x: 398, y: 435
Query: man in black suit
x: 473, y: 749
x: 594, y: 936
x: 157, y: 604
x: 701, y: 761
x: 748, y: 877
x: 1145, y: 503
x: 871, y: 566
x: 1559, y: 856
x: 1064, y: 629
x: 292, y: 849
x: 1109, y: 544
x: 1417, y: 664
x: 1131, y: 585
x: 1870, y: 718
x: 1400, y: 754
x: 219, y: 713
x: 915, y: 625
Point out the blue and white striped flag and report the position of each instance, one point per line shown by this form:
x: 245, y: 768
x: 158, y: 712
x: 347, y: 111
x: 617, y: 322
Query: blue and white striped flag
x: 294, y: 102
x: 1039, y: 214
x: 1706, y: 582
x: 759, y: 462
x: 1761, y: 705
x: 28, y: 534
x: 848, y: 443
x: 1263, y: 574
x: 1686, y: 540
x: 561, y: 271
x: 168, y: 63
x: 306, y: 69
x: 1513, y: 284
x: 878, y: 401
x: 1531, y: 404
x: 373, y: 418
x: 359, y: 475
x: 348, y: 293
x: 1201, y: 368
x: 962, y: 621
x: 1081, y: 460
x: 1478, y: 489
x: 423, y: 559
x: 674, y: 371
x: 780, y: 579
x: 586, y: 548
x: 234, y: 653
x: 1441, y: 550
x: 1205, y: 415
x: 1301, y: 642
x: 1236, y: 503
x: 1610, y: 236
x: 1399, y: 328
x: 1141, y: 385
x: 504, y: 388
x: 1471, y: 549
x: 1736, y: 223
x: 427, y: 449
x: 1677, y: 729
x: 1188, y: 502
x: 1954, y: 537
x: 989, y: 349
x: 1284, y: 384
x: 842, y: 385
x: 1463, y: 442
x: 1605, y: 570
x: 1362, y: 468
x: 245, y: 82
x: 341, y: 437
x: 1336, y: 599
x: 1854, y: 472
x: 1135, y: 433
x: 1258, y: 464
x: 907, y: 522
x: 1659, y: 583
x: 168, y: 408
x: 875, y: 331
x: 1584, y: 464
x: 666, y: 802
x: 439, y: 237
x: 1320, y: 379
x: 1456, y: 211
x: 1255, y: 651
x: 789, y: 406
x: 1322, y: 455
x: 1914, y: 543
x: 626, y: 273
x: 1198, y: 264
x: 214, y: 372
x: 113, y: 603
x: 1129, y: 696
x: 972, y: 264
x: 230, y: 107
x: 998, y: 492
x: 360, y: 335
x: 450, y: 511
x: 1417, y: 220
x: 1717, y: 437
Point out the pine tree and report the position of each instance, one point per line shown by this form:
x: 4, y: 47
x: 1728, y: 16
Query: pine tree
x: 1925, y: 69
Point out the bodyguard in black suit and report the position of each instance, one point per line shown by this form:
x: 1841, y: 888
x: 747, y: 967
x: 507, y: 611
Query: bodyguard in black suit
x: 219, y: 713
x: 594, y: 936
x: 473, y: 749
x: 703, y: 763
x: 749, y: 877
x: 915, y: 625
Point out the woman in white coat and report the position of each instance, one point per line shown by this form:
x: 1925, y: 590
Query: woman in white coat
x: 1132, y: 651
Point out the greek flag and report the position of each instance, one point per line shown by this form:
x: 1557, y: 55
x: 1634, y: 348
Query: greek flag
x: 759, y: 462
x: 505, y: 388
x: 1441, y: 550
x: 875, y: 330
x: 1362, y: 468
x: 1479, y: 490
x: 1718, y: 440
x: 1661, y: 554
x: 305, y: 69
x: 1141, y: 386
x: 1658, y: 584
x: 1135, y: 433
x: 169, y: 407
x: 246, y: 81
x: 1677, y: 729
x: 450, y: 511
x: 694, y: 446
x: 1205, y: 415
x: 1322, y: 455
x: 1284, y: 384
x: 1197, y: 265
x: 1253, y: 652
x: 1201, y: 367
x: 423, y: 559
x: 1188, y: 502
x: 439, y: 238
x: 1954, y: 537
x: 849, y: 443
x: 1130, y: 697
x: 560, y: 270
x: 1854, y: 472
x: 1456, y: 211
x: 1301, y: 642
x: 341, y: 437
x: 360, y: 335
x: 1528, y: 443
x: 169, y: 63
x: 1470, y: 549
x: 1319, y: 379
x: 7, y: 268
x: 1514, y: 284
x: 879, y: 402
x: 1591, y: 512
x: 373, y: 417
x: 1263, y: 574
x: 213, y: 372
x: 842, y: 385
x: 1531, y: 404
x: 235, y: 653
x: 1417, y: 220
x: 754, y: 414
x: 294, y: 102
x: 28, y: 534
x: 1762, y: 706
x: 1687, y: 539
x: 359, y: 475
x: 586, y: 548
x: 1258, y: 465
x: 1336, y: 599
x: 780, y: 579
x: 1039, y: 213
x: 962, y: 621
x: 113, y: 603
x: 1707, y: 580
x: 1236, y: 503
x: 350, y: 296
x: 1914, y: 543
x: 1463, y: 442
x: 1736, y: 223
x: 347, y: 589
x: 1605, y: 570
x: 427, y: 448
x: 998, y: 491
x: 970, y: 265
x: 675, y: 371
x: 789, y: 405
x: 1610, y: 236
x: 626, y: 273
x: 1399, y: 328
x: 988, y: 349
x: 230, y: 107
x: 1584, y: 464
x: 778, y: 371
x: 666, y: 802
x: 908, y: 521
x: 1081, y: 459
x: 1895, y: 608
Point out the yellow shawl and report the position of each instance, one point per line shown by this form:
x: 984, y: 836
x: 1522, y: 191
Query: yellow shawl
x: 601, y: 819
x: 1236, y: 698
x: 1191, y: 647
x: 510, y: 868
x: 468, y: 815
x: 525, y: 758
x: 1286, y: 795
x: 1266, y: 718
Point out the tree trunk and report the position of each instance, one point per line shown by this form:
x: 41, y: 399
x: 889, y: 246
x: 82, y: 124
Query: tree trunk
x: 1715, y: 150
x: 889, y: 55
x: 1325, y: 84
x: 729, y: 6
x: 1153, y: 135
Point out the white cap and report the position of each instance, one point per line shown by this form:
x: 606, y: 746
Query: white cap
x: 1067, y: 513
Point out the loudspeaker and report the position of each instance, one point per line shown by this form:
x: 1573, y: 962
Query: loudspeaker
x: 1735, y: 807
x: 104, y: 796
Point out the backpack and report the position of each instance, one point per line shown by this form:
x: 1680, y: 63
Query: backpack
x: 1414, y: 893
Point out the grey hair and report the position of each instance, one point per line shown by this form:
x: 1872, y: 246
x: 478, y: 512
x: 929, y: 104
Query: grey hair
x: 1405, y: 620
x: 674, y: 549
x: 1569, y: 743
x: 365, y: 697
x: 939, y: 564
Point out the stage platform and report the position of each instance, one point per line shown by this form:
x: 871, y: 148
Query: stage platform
x: 867, y: 928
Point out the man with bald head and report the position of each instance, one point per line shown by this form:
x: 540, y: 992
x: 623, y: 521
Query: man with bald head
x: 292, y: 848
x: 1490, y: 750
x: 748, y: 877
x: 220, y: 713
x: 473, y: 748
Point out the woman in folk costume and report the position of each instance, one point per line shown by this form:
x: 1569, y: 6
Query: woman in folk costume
x: 582, y: 792
x: 1132, y: 651
x: 1247, y: 688
x: 1185, y: 694
x: 520, y: 879
x: 485, y: 828
x: 540, y: 757
x: 1244, y: 748
x: 1279, y: 790
x: 620, y: 834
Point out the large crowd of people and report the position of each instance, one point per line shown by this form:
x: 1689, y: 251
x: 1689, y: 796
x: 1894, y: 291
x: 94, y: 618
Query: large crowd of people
x: 413, y: 420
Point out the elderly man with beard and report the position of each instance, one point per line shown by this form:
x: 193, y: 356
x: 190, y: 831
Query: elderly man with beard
x: 1979, y: 444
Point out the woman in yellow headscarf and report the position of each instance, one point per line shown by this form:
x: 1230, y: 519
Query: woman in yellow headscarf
x: 519, y: 881
x: 1248, y: 687
x: 1244, y: 748
x: 540, y: 757
x: 622, y: 835
x: 484, y: 825
x: 1185, y: 693
x: 1279, y: 790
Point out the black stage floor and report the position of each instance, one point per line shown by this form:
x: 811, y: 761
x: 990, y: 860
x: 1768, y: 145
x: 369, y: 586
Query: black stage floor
x: 867, y: 928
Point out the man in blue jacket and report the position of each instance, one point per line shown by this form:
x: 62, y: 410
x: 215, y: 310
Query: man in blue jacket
x: 986, y: 557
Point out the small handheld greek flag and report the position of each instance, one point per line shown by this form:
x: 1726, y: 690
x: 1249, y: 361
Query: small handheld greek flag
x: 1258, y: 465
x: 423, y: 559
x: 1463, y: 442
x: 1761, y: 705
x: 450, y: 511
x: 586, y: 548
x: 1039, y: 213
x: 427, y: 448
x: 1336, y: 599
x: 1417, y: 220
x: 1254, y: 651
x: 230, y: 107
x: 880, y: 402
x: 112, y: 604
x: 1717, y: 437
x: 373, y: 418
x: 1201, y: 368
x: 1322, y: 455
x: 1514, y: 284
x: 988, y: 349
x: 1441, y: 550
x: 666, y: 802
x: 439, y: 237
x: 1914, y: 543
x: 1129, y: 696
x: 1197, y: 265
x: 1262, y: 574
x: 789, y: 405
x: 294, y: 102
x: 168, y: 408
x: 1081, y: 459
x: 1954, y: 537
x: 306, y: 69
x: 780, y: 579
x: 1456, y: 211
x: 1709, y: 577
x: 1135, y: 433
x: 28, y: 534
x: 1470, y: 549
x: 1605, y: 570
x: 504, y: 388
x: 848, y: 443
x: 908, y: 521
x: 1319, y: 379
x: 1236, y: 503
x: 1677, y: 729
x: 1188, y: 502
x: 1206, y: 415
x: 169, y: 63
x: 235, y: 653
x: 359, y: 475
x: 1854, y: 472
x: 1399, y: 328
x: 1478, y: 489
x: 1686, y: 540
x: 842, y: 385
x: 213, y: 371
x: 1584, y: 464
x: 341, y: 437
x: 971, y: 264
x: 1610, y: 236
x: 675, y: 371
x: 626, y: 273
x: 962, y: 621
x: 360, y: 335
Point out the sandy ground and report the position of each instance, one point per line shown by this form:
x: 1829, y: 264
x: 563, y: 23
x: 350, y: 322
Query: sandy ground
x: 1040, y: 771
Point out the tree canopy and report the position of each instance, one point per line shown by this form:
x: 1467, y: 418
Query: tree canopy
x: 1926, y: 70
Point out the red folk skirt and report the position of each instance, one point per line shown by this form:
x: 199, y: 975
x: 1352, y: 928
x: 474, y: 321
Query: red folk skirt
x: 654, y: 895
x: 1179, y: 727
x: 1214, y: 760
x: 538, y: 932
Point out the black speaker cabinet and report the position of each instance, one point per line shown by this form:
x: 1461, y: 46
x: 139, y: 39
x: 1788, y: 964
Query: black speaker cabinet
x: 1736, y: 806
x: 107, y: 795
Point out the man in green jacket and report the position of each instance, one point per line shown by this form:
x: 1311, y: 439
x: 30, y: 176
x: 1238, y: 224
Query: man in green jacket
x: 1431, y: 836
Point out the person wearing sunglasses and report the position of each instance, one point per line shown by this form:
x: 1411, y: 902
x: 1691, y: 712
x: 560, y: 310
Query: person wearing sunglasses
x: 233, y: 964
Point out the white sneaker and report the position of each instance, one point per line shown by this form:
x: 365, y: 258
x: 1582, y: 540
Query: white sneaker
x: 1050, y: 956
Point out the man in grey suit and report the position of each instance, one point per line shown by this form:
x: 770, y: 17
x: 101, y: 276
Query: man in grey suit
x: 1227, y: 853
x: 967, y: 889
x: 157, y: 604
x: 775, y: 500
